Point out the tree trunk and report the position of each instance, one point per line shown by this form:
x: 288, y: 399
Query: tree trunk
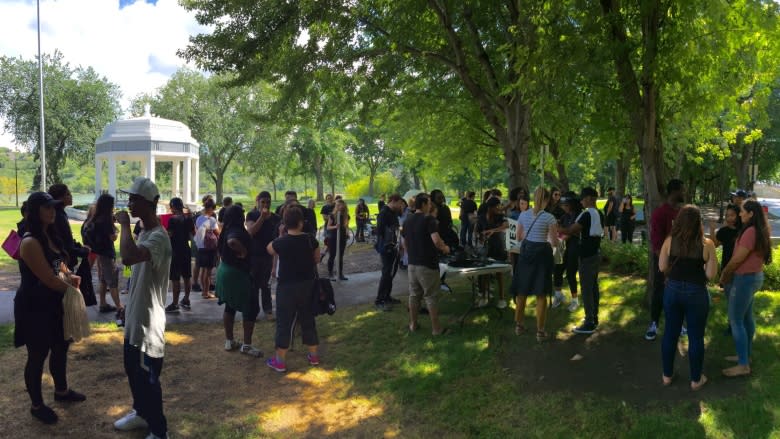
x: 317, y: 165
x: 219, y: 179
x: 621, y: 176
x: 273, y: 184
x: 515, y: 139
x: 740, y: 159
x: 371, y: 176
x: 561, y: 180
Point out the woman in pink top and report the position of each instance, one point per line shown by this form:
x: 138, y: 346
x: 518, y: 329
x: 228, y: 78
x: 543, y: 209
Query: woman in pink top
x: 745, y: 271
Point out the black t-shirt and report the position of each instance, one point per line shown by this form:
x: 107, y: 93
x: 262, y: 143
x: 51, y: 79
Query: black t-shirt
x: 589, y: 245
x: 296, y: 257
x: 221, y: 214
x: 180, y: 229
x: 387, y: 226
x: 467, y: 207
x: 417, y: 232
x: 327, y: 209
x: 496, y: 247
x: 728, y: 237
x: 567, y: 220
x: 228, y: 255
x: 556, y: 211
x: 309, y: 221
x: 97, y: 235
x: 380, y: 204
x: 269, y: 230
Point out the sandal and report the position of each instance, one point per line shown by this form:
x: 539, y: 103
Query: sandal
x: 519, y: 329
x: 209, y: 296
x: 737, y: 371
x: 541, y: 336
x: 696, y: 386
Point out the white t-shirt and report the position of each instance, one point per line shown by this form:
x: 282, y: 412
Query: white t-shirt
x: 202, y: 224
x: 145, y: 308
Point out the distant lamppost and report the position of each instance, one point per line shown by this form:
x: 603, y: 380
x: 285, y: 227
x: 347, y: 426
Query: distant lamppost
x: 16, y: 177
x: 40, y: 102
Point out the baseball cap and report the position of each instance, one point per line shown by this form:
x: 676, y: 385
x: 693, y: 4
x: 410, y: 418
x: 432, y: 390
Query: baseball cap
x: 740, y: 193
x: 39, y: 199
x: 145, y: 188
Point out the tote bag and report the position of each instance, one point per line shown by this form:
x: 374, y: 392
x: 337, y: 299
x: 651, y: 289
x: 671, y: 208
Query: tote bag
x: 12, y: 243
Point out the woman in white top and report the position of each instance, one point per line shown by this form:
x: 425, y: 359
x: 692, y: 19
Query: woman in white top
x: 534, y: 267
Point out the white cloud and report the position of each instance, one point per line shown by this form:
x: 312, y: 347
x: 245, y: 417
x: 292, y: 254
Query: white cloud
x: 133, y: 47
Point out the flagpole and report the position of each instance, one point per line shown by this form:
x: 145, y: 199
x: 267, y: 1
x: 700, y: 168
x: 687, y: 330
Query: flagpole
x: 42, y: 145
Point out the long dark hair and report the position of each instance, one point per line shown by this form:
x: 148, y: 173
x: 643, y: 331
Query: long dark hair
x: 758, y: 220
x: 104, y: 209
x: 687, y: 232
x: 42, y: 233
x: 232, y: 221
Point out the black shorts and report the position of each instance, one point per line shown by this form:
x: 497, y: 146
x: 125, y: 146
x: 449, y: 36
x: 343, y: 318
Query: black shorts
x: 207, y: 258
x: 610, y: 220
x: 181, y: 265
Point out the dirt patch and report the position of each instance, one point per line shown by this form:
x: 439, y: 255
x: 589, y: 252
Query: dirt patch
x: 240, y: 396
x: 614, y: 364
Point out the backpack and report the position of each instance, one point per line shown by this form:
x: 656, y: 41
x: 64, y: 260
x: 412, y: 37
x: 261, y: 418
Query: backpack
x: 210, y: 240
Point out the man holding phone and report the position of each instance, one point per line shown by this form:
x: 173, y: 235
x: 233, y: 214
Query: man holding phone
x: 263, y: 226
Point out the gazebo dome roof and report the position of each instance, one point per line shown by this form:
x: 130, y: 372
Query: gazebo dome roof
x: 146, y: 128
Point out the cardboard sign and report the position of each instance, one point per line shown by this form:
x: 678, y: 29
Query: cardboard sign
x: 512, y: 242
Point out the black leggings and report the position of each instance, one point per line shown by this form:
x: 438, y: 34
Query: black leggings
x: 569, y: 266
x: 33, y: 370
x: 332, y: 253
x: 294, y: 305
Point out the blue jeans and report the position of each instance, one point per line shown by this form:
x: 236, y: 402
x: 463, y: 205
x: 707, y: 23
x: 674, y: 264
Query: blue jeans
x: 690, y: 302
x: 743, y: 327
x: 143, y: 374
x: 466, y: 232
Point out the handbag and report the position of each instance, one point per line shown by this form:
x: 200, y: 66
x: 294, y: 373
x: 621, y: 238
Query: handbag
x: 12, y: 243
x: 323, y: 301
x: 86, y: 287
x: 75, y: 322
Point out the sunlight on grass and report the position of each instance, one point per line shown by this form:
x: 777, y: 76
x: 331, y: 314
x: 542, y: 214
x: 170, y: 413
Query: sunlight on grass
x: 712, y: 425
x: 479, y: 344
x: 422, y: 369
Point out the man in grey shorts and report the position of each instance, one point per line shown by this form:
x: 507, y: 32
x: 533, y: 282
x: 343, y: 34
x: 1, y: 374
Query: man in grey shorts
x: 422, y: 242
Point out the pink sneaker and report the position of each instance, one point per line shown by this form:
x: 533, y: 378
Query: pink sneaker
x: 314, y: 359
x: 276, y: 365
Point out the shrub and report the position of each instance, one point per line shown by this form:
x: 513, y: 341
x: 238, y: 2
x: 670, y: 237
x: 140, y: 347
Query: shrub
x: 624, y: 258
x: 772, y: 272
x: 384, y: 183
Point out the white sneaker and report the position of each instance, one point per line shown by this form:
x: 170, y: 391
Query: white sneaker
x: 130, y: 421
x: 231, y: 344
x: 482, y: 302
x: 501, y: 304
x: 557, y: 299
x: 574, y: 304
x: 154, y: 436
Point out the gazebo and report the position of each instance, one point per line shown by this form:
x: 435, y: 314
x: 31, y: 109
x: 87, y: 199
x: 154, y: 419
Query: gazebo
x: 148, y: 139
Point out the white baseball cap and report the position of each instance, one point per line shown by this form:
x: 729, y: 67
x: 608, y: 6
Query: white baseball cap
x: 145, y: 188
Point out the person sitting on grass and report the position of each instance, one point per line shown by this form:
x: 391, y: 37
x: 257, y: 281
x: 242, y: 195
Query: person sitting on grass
x: 234, y: 282
x: 689, y: 260
x: 298, y: 253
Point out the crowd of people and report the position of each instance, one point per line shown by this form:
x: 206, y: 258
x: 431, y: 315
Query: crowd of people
x: 560, y: 234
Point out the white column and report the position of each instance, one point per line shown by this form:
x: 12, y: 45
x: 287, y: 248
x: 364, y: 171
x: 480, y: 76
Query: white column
x: 112, y: 175
x: 196, y: 180
x: 143, y: 169
x: 175, y: 180
x: 98, y: 176
x: 150, y: 167
x: 188, y: 181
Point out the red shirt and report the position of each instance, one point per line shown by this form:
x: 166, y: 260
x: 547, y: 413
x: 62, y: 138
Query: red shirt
x: 661, y: 225
x: 754, y: 263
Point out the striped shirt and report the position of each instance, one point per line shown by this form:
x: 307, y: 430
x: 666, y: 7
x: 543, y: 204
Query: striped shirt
x: 540, y: 229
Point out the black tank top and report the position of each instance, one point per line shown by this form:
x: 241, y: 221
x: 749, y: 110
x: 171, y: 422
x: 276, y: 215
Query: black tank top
x: 33, y: 293
x: 687, y: 265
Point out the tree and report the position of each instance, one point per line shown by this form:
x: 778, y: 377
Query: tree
x: 222, y: 118
x: 487, y: 47
x: 78, y: 104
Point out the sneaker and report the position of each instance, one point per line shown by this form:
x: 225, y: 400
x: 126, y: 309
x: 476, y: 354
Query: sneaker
x: 501, y: 304
x: 314, y: 359
x: 394, y: 301
x: 185, y: 303
x: 231, y: 344
x: 381, y: 306
x: 172, y: 309
x: 652, y: 331
x: 684, y: 332
x: 107, y: 308
x: 573, y: 305
x: 342, y: 278
x: 557, y: 299
x: 197, y: 288
x: 275, y: 364
x: 446, y: 288
x: 251, y: 351
x: 130, y: 421
x: 123, y: 292
x: 482, y: 302
x: 585, y: 328
x: 154, y: 436
x: 44, y: 414
x: 120, y: 317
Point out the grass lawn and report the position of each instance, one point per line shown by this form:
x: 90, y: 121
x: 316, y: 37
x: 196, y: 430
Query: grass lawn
x: 377, y: 380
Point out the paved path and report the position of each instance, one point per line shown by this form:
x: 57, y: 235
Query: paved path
x: 359, y: 289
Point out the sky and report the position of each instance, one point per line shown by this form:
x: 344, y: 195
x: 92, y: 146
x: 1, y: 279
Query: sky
x: 132, y: 43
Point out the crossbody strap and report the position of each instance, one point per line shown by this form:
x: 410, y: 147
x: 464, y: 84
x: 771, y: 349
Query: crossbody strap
x: 532, y: 225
